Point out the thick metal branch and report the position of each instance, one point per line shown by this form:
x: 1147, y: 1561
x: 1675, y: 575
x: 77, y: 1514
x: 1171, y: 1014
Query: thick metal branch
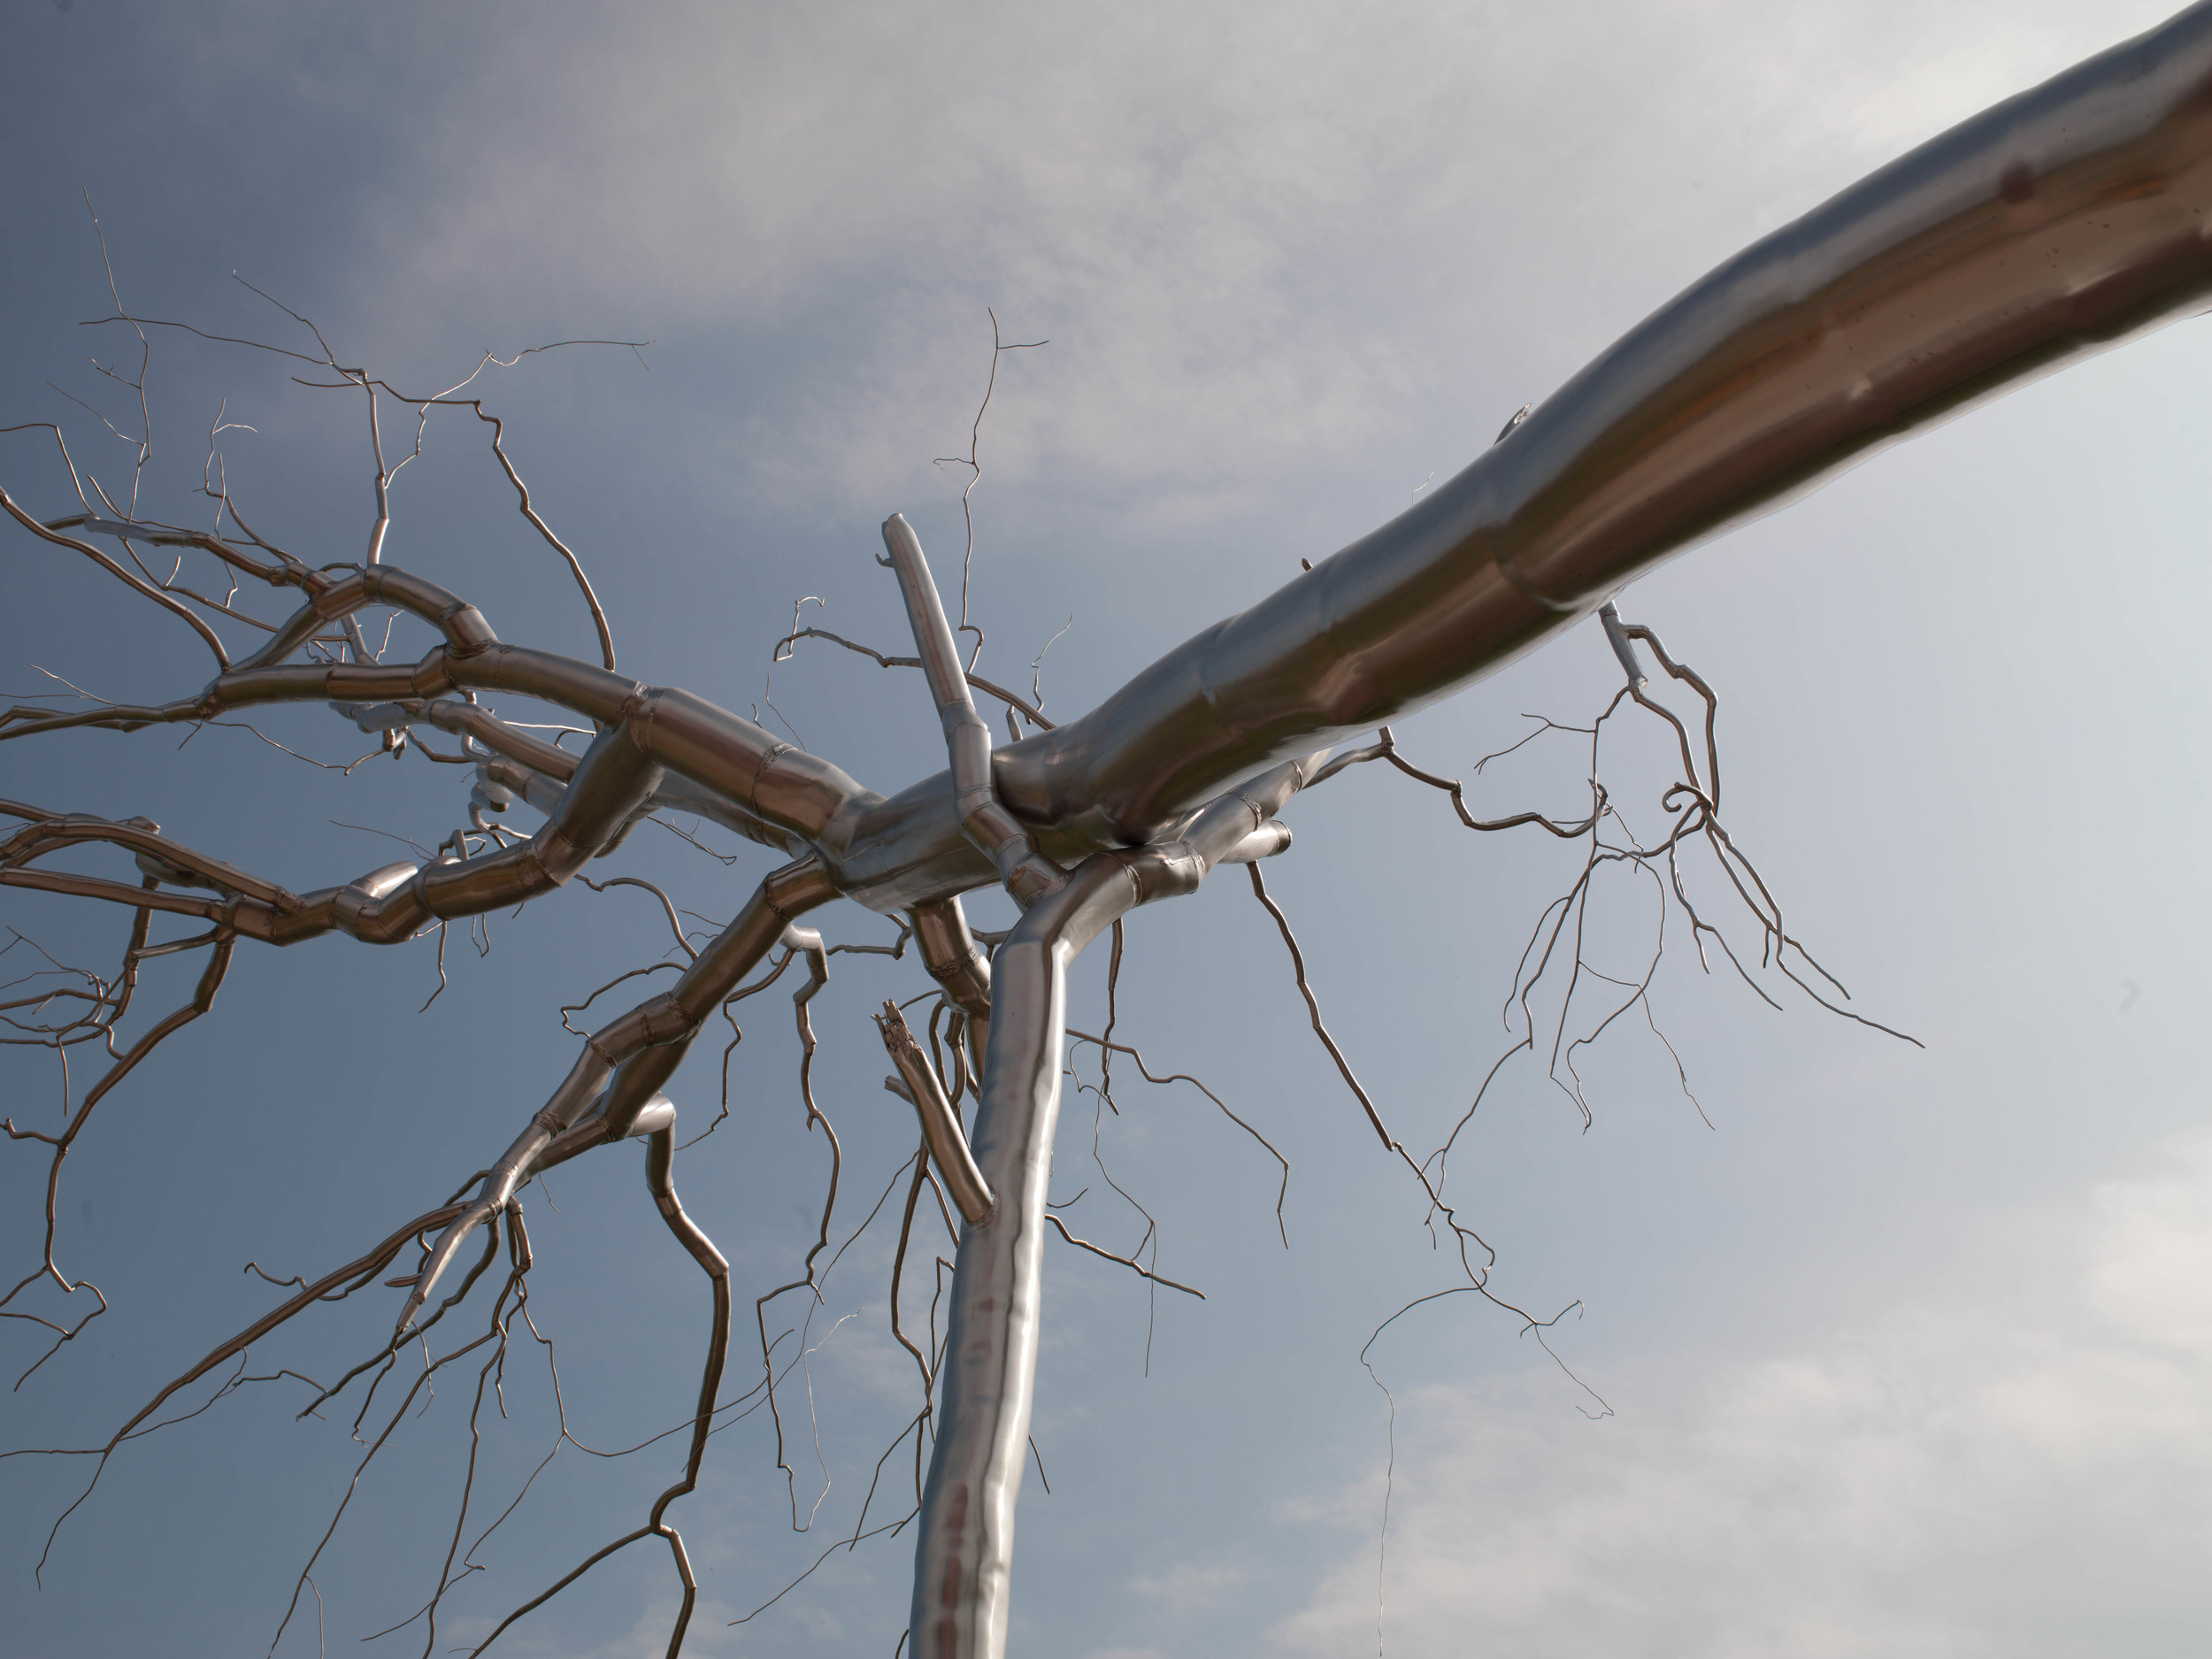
x: 940, y: 1124
x: 964, y: 1556
x: 961, y: 968
x: 2058, y: 223
x: 1002, y: 837
x: 631, y: 1058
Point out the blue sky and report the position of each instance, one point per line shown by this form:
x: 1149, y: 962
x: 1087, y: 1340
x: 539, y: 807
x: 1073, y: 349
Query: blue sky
x: 1909, y: 1352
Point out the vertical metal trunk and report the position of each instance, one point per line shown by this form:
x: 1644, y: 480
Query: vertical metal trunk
x: 963, y: 1557
x: 964, y: 1551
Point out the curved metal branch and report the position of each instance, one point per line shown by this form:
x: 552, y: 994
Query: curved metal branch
x: 137, y: 584
x: 575, y: 565
x: 1134, y: 1266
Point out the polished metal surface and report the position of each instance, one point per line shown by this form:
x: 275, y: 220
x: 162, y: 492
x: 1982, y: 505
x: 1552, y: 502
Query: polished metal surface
x: 948, y: 1147
x: 962, y: 970
x: 2051, y: 227
x: 996, y: 834
x: 964, y: 1547
x: 2057, y: 224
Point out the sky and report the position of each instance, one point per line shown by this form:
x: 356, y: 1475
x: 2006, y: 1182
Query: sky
x: 1863, y: 1346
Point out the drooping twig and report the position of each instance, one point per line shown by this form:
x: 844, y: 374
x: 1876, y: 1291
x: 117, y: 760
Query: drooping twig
x: 1282, y: 1189
x: 972, y: 461
x: 1029, y: 708
x: 1132, y: 1265
x: 1313, y: 1007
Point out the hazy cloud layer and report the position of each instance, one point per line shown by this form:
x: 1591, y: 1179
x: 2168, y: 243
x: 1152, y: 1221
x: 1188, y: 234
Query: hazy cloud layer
x: 1256, y: 235
x: 1964, y: 1476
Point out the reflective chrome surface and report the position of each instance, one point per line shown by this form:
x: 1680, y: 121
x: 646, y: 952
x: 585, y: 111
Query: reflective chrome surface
x: 2055, y: 225
x: 948, y: 1148
x: 965, y: 1549
x: 995, y: 833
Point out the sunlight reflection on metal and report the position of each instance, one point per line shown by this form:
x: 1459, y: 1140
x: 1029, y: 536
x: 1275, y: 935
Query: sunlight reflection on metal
x: 2056, y: 225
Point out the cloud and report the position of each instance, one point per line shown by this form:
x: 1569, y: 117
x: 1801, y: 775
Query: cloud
x: 1958, y: 1477
x: 1256, y: 236
x: 1186, y: 1588
x: 1268, y: 243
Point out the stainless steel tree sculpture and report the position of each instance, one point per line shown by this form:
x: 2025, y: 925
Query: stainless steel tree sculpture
x: 2061, y: 222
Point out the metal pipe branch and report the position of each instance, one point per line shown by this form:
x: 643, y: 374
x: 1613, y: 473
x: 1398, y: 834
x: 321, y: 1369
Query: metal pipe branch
x: 617, y: 1077
x: 948, y: 1147
x: 2053, y: 225
x: 1002, y: 837
x: 964, y: 1553
x: 960, y: 968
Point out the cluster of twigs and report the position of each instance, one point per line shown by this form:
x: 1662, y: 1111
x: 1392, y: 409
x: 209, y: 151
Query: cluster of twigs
x: 52, y: 1006
x: 1691, y: 809
x: 61, y: 1008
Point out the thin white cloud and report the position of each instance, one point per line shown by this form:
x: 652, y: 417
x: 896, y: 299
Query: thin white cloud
x: 1187, y: 1587
x: 1966, y: 1475
x: 1256, y: 235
